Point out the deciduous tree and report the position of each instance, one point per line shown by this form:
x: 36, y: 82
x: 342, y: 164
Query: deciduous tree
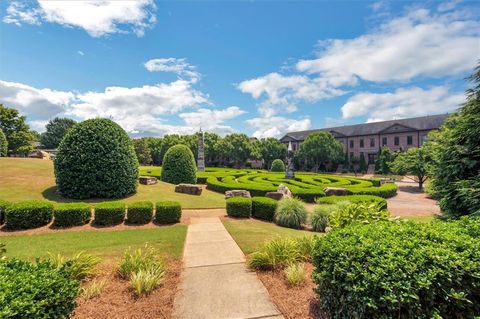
x: 55, y: 131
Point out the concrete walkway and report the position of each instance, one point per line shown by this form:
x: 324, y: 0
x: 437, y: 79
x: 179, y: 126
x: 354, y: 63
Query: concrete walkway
x: 215, y: 282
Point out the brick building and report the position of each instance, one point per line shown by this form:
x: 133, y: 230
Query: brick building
x: 368, y: 138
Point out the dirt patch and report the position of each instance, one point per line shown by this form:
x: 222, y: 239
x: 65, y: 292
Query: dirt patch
x: 118, y: 301
x: 411, y: 201
x: 298, y: 302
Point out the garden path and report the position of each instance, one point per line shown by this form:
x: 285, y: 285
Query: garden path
x: 216, y: 282
x: 410, y: 201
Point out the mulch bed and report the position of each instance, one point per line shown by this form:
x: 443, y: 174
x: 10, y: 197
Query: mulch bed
x: 297, y: 302
x: 118, y: 301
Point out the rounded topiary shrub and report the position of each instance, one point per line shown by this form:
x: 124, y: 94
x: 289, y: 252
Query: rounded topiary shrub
x: 179, y: 166
x: 239, y: 207
x: 140, y: 212
x: 278, y: 166
x: 3, y: 207
x: 264, y: 208
x: 109, y: 213
x: 71, y: 214
x: 28, y: 214
x: 291, y: 213
x: 96, y: 159
x: 168, y: 212
x: 3, y: 144
x: 36, y: 290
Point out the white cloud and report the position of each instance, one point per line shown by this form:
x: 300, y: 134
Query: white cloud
x: 403, y: 103
x: 212, y: 120
x: 178, y: 66
x: 277, y: 126
x: 98, y: 18
x: 80, y: 52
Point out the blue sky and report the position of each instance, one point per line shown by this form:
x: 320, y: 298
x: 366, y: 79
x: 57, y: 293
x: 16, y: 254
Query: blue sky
x: 258, y: 67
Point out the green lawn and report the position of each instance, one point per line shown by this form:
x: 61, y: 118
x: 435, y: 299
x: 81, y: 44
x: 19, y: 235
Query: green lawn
x: 107, y: 244
x: 25, y: 179
x: 251, y: 234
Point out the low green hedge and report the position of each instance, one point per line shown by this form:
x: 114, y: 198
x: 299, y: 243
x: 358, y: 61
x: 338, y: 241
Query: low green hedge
x: 29, y: 214
x: 386, y: 190
x: 71, y: 214
x: 405, y: 270
x: 168, y: 212
x: 353, y: 199
x: 239, y: 207
x: 3, y: 207
x: 140, y: 212
x: 264, y: 208
x: 109, y: 213
x: 40, y: 290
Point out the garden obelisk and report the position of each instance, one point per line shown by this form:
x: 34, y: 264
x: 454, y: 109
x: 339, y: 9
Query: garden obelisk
x: 201, y: 153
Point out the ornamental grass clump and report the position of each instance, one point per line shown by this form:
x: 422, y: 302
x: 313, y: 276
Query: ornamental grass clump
x: 291, y: 213
x: 82, y: 265
x: 94, y: 289
x: 295, y: 274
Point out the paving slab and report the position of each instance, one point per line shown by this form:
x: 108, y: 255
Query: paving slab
x: 212, y: 253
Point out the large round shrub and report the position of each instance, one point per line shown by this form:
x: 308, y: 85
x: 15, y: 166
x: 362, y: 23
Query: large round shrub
x: 29, y: 214
x: 40, y: 290
x: 96, y: 159
x: 291, y: 213
x: 3, y: 144
x: 406, y: 270
x: 278, y: 166
x: 179, y: 166
x: 239, y: 207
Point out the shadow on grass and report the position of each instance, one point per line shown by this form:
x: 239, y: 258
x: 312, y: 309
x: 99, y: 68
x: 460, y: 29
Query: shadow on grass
x: 52, y: 195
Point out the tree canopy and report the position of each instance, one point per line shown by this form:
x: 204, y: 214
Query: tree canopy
x: 415, y: 162
x: 319, y: 148
x: 55, y: 131
x: 17, y: 132
x: 142, y: 151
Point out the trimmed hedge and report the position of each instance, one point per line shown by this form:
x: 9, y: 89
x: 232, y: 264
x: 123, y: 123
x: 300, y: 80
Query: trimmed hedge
x: 179, y: 165
x: 353, y: 199
x: 140, y: 212
x: 71, y: 214
x: 168, y: 212
x: 38, y: 290
x: 264, y: 208
x: 385, y: 191
x: 278, y: 166
x: 405, y: 270
x: 109, y: 213
x: 28, y: 214
x: 3, y: 207
x: 239, y: 207
x: 96, y: 159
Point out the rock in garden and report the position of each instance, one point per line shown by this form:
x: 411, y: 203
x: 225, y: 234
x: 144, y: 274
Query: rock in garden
x: 284, y: 190
x: 147, y: 180
x: 237, y: 193
x: 191, y: 189
x: 337, y: 191
x: 274, y: 195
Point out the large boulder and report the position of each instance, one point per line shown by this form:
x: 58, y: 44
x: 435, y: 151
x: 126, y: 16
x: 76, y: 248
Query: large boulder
x: 237, y: 193
x: 191, y: 189
x: 335, y: 191
x: 284, y: 190
x: 274, y: 195
x: 147, y: 180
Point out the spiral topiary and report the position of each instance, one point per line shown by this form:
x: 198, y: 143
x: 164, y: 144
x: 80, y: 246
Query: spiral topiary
x: 179, y: 166
x: 96, y: 159
x: 278, y: 166
x: 3, y: 144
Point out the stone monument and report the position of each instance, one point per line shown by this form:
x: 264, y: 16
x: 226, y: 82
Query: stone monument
x: 289, y: 173
x: 201, y: 153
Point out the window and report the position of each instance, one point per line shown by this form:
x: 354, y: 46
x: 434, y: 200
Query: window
x: 294, y: 146
x: 351, y: 143
x: 409, y: 140
x: 396, y: 141
x: 372, y: 142
x: 384, y: 141
x: 361, y: 143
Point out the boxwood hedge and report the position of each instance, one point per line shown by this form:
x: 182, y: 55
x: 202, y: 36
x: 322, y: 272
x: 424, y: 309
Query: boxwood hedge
x: 71, y: 214
x: 179, y: 165
x: 168, y: 212
x: 353, y: 199
x: 3, y: 207
x: 405, y: 270
x: 264, y: 208
x: 109, y: 213
x: 36, y: 290
x: 140, y: 212
x: 239, y: 207
x: 96, y: 159
x: 28, y: 214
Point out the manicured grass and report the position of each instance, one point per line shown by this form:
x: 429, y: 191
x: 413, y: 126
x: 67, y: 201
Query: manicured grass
x: 107, y: 244
x: 26, y: 179
x: 251, y: 234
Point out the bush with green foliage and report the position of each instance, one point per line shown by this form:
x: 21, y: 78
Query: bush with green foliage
x: 357, y: 213
x: 55, y: 130
x: 36, y: 290
x: 109, y: 213
x: 278, y: 166
x: 362, y: 164
x: 400, y: 270
x: 140, y: 212
x: 239, y: 207
x: 142, y: 150
x: 291, y: 213
x: 179, y: 166
x: 96, y: 159
x: 71, y: 214
x: 3, y: 207
x: 383, y: 161
x: 3, y: 144
x: 168, y: 212
x: 354, y: 199
x: 264, y: 208
x: 28, y: 214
